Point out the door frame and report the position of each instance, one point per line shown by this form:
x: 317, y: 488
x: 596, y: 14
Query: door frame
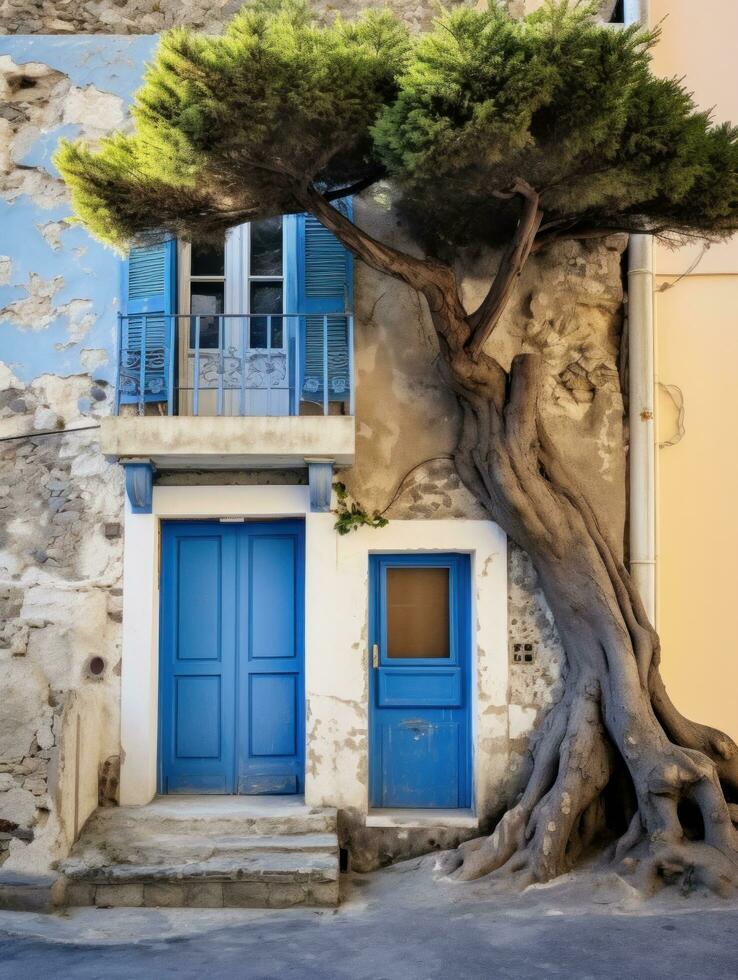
x: 460, y: 628
x: 263, y: 526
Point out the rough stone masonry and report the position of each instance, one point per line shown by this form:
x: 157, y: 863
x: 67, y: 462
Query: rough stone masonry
x: 154, y: 16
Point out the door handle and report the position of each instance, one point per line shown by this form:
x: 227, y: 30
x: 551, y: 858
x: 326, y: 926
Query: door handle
x: 375, y: 655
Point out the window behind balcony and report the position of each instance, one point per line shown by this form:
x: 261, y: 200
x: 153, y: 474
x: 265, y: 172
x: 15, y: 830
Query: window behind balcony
x: 252, y: 258
x: 206, y: 294
x: 257, y: 324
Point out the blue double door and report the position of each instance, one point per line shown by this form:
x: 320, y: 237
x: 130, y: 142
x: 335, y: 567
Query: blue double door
x: 231, y: 687
x: 420, y: 640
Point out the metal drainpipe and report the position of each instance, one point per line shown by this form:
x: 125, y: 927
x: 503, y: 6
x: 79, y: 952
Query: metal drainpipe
x: 642, y: 503
x: 642, y: 388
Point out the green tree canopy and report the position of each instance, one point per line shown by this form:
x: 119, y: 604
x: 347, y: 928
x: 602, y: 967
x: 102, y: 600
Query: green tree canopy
x: 233, y: 128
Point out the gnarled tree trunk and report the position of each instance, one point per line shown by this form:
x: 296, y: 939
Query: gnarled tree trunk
x: 613, y: 754
x: 614, y: 717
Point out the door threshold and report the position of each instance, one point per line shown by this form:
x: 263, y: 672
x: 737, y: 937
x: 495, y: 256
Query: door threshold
x: 421, y: 818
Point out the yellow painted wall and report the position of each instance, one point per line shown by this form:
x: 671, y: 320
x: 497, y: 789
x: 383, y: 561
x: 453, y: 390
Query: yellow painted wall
x: 697, y: 350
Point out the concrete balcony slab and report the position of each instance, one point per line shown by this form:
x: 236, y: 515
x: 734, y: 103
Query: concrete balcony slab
x: 230, y: 442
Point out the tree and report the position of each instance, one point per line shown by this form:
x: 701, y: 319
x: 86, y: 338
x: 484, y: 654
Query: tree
x: 495, y: 132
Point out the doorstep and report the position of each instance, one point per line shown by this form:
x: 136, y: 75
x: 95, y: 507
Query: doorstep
x: 422, y: 818
x: 192, y: 851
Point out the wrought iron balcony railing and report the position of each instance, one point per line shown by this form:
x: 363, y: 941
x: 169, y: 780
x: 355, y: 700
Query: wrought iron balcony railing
x: 235, y: 363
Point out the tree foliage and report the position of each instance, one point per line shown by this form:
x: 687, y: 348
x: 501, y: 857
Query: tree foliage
x: 232, y: 128
x: 225, y: 128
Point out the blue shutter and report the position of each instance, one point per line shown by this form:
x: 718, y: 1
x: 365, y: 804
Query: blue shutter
x: 325, y: 270
x: 149, y: 287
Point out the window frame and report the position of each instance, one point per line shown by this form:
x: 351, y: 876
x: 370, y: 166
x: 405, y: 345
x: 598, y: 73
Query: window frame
x: 237, y: 280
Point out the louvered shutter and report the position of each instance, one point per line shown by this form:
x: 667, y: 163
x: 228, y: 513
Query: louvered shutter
x: 149, y: 284
x: 325, y: 287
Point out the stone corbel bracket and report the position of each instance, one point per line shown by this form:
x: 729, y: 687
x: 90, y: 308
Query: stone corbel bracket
x: 320, y: 478
x: 139, y: 485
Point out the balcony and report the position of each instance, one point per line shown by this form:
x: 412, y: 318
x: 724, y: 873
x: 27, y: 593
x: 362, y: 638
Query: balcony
x: 233, y: 391
x: 236, y: 364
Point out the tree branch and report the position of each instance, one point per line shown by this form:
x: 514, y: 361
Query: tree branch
x: 485, y: 318
x: 429, y: 277
x: 355, y: 188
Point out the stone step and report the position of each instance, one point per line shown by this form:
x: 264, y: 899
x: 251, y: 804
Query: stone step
x: 186, y: 848
x: 216, y: 816
x: 245, y: 866
x: 202, y: 893
x: 250, y: 878
x: 265, y: 852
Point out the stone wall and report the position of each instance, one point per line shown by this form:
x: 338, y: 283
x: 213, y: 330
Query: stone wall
x: 154, y: 16
x: 60, y: 606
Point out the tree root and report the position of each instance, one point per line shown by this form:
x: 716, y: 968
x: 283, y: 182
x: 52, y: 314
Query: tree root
x: 689, y: 865
x: 561, y: 814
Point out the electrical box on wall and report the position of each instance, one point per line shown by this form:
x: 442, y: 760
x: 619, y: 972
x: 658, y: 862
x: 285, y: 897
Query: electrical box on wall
x: 524, y: 653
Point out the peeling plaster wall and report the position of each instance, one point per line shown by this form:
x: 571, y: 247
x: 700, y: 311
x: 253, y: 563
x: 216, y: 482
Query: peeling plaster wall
x: 58, y: 287
x: 60, y: 500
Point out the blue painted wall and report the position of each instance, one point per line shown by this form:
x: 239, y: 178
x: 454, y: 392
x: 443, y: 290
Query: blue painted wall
x: 83, y: 269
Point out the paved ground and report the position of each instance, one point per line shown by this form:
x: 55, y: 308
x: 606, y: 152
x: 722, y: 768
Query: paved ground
x: 398, y: 923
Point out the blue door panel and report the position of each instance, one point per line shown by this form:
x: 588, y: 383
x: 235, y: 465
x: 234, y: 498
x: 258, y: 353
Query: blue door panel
x: 198, y: 697
x: 272, y: 702
x: 270, y: 585
x: 420, y: 731
x: 231, y: 655
x: 272, y: 597
x: 199, y: 599
x: 197, y: 659
x: 420, y: 763
x: 405, y: 686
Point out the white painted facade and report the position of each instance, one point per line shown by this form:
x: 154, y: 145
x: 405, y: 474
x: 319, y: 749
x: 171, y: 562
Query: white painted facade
x: 336, y: 631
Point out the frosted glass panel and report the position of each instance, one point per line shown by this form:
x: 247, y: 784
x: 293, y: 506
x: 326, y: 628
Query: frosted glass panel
x: 417, y: 613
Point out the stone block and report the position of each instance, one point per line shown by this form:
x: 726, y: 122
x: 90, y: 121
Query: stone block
x: 30, y: 893
x: 204, y: 895
x: 18, y: 806
x: 164, y: 894
x: 35, y: 785
x: 131, y: 896
x: 283, y: 896
x: 323, y: 893
x: 79, y: 893
x: 245, y: 894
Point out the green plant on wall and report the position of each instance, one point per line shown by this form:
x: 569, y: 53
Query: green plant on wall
x: 350, y: 515
x: 495, y: 133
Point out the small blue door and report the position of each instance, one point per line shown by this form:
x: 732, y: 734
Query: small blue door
x: 419, y: 681
x: 231, y: 655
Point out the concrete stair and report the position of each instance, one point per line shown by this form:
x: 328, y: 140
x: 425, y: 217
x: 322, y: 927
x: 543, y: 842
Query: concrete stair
x: 250, y: 852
